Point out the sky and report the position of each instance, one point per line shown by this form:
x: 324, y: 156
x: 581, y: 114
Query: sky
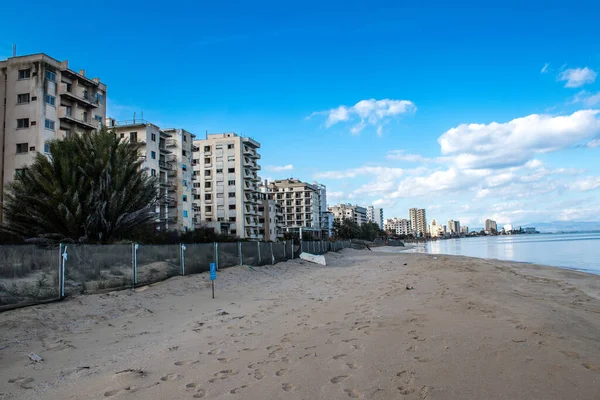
x: 468, y: 112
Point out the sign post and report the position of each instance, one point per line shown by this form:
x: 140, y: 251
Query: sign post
x: 213, y: 276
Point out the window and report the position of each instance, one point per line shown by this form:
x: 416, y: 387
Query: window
x: 206, y: 172
x: 184, y: 167
x: 153, y: 137
x: 185, y: 214
x: 185, y: 182
x: 84, y: 116
x: 99, y: 98
x: 219, y: 147
x: 231, y: 219
x: 184, y: 139
x: 19, y: 171
x: 208, y: 208
x: 98, y: 118
x: 231, y: 194
x: 229, y: 146
x: 231, y: 183
x: 231, y: 170
x: 24, y: 73
x: 22, y: 148
x: 207, y: 160
x: 153, y: 171
x: 51, y: 76
x: 206, y: 148
x: 232, y: 206
x: 231, y: 158
x: 49, y: 124
x: 208, y: 196
x: 183, y: 153
x: 68, y: 111
x: 153, y: 155
x: 207, y: 185
x: 184, y: 197
x: 122, y: 135
x: 219, y: 170
x: 32, y: 148
x: 69, y: 86
x: 196, y: 184
x: 233, y: 232
x: 196, y: 197
x: 22, y: 123
x: 133, y: 136
x: 219, y: 196
x: 195, y: 161
x: 49, y: 99
x: 23, y: 98
x: 46, y: 147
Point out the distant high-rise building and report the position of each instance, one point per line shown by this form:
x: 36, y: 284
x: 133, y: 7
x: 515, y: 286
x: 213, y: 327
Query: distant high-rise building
x: 454, y: 227
x: 375, y: 214
x: 418, y: 221
x: 348, y: 211
x: 436, y: 230
x: 399, y: 226
x: 464, y: 230
x: 491, y: 226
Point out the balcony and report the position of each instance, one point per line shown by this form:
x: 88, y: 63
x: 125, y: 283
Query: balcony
x: 171, y: 187
x: 65, y: 114
x: 171, y: 143
x: 164, y: 165
x: 171, y: 157
x: 88, y: 101
x: 172, y: 173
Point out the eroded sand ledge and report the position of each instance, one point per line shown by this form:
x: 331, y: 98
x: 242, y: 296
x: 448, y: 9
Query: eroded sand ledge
x: 470, y: 328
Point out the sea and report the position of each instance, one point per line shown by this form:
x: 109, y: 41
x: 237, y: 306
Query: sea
x: 577, y: 251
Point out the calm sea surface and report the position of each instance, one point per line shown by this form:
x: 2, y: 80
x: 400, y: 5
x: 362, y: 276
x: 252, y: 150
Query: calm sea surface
x: 580, y: 251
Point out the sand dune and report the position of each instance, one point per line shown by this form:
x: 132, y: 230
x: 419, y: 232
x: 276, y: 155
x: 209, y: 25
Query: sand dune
x: 470, y: 329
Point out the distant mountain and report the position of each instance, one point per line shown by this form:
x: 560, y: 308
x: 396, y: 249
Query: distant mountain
x: 564, y: 226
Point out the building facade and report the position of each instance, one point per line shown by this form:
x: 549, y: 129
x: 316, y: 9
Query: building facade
x: 464, y: 230
x: 42, y: 99
x: 227, y: 198
x: 398, y: 226
x: 436, y: 230
x: 375, y: 214
x: 349, y: 211
x: 270, y: 217
x: 300, y: 203
x: 454, y: 227
x: 418, y: 221
x: 491, y: 226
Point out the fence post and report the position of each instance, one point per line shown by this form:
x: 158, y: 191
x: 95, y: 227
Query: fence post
x: 183, y: 247
x: 60, y: 277
x: 301, y: 246
x: 240, y: 253
x: 135, y: 274
x: 258, y: 248
x: 292, y: 249
x: 272, y: 256
x: 217, y: 255
x: 284, y: 252
x: 63, y: 270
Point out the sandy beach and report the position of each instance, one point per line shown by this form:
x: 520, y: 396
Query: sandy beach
x: 467, y: 329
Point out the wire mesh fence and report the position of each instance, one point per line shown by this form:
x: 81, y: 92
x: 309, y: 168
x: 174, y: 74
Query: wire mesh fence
x: 31, y: 274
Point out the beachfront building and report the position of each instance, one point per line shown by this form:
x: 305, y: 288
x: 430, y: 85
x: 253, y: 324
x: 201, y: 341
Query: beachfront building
x: 349, y: 211
x: 301, y: 205
x: 270, y: 220
x: 375, y: 214
x: 227, y: 197
x: 464, y: 230
x: 418, y: 221
x: 454, y: 227
x: 398, y: 226
x: 325, y: 216
x: 490, y: 226
x: 41, y: 100
x: 436, y: 230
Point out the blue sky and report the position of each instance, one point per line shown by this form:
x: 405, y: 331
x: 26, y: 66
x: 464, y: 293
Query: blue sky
x: 469, y: 112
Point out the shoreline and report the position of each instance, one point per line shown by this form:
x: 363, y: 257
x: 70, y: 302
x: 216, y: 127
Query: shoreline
x: 466, y: 328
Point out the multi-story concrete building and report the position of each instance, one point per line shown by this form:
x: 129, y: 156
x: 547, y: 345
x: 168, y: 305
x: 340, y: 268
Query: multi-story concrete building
x: 464, y: 230
x: 270, y: 216
x: 375, y: 214
x: 454, y: 227
x: 301, y: 205
x: 167, y: 154
x: 325, y: 217
x: 42, y: 99
x: 225, y: 166
x: 418, y: 221
x: 349, y: 211
x: 181, y: 176
x: 436, y: 230
x: 398, y: 226
x: 491, y: 226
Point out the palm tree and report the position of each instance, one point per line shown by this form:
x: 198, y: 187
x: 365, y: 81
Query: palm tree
x: 90, y: 188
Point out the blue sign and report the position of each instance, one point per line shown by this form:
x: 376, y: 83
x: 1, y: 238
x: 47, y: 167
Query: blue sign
x: 213, y: 271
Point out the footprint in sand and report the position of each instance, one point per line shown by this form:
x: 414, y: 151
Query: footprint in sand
x: 591, y: 367
x: 171, y: 377
x: 287, y: 387
x: 352, y: 365
x: 200, y: 393
x: 223, y: 359
x: 216, y: 352
x: 349, y: 340
x: 280, y: 372
x: 25, y: 383
x: 358, y: 346
x: 571, y: 354
x: 186, y: 362
x: 192, y: 385
x: 405, y: 390
x: 339, y: 356
x: 258, y: 375
x: 236, y: 390
x: 115, y: 392
x: 352, y: 393
x: 338, y: 379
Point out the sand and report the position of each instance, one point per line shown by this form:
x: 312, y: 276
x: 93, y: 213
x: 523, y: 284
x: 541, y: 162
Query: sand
x: 469, y: 329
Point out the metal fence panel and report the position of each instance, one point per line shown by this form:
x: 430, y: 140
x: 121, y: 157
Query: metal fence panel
x: 91, y: 268
x: 279, y: 252
x: 250, y: 253
x: 265, y: 253
x: 228, y: 254
x: 158, y: 262
x: 198, y: 257
x: 28, y: 274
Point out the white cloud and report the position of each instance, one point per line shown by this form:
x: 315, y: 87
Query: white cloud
x: 592, y: 144
x: 545, y: 68
x: 585, y: 184
x: 365, y: 170
x: 279, y: 168
x: 586, y: 98
x: 401, y: 155
x: 577, y: 77
x: 370, y: 112
x: 380, y: 131
x: 500, y: 145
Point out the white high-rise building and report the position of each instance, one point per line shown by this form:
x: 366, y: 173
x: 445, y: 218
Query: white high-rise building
x: 454, y: 227
x: 490, y: 226
x: 375, y: 214
x: 399, y: 226
x: 227, y: 197
x: 348, y: 211
x: 418, y: 221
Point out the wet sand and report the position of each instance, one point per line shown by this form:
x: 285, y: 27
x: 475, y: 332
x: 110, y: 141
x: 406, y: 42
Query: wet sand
x: 468, y: 328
